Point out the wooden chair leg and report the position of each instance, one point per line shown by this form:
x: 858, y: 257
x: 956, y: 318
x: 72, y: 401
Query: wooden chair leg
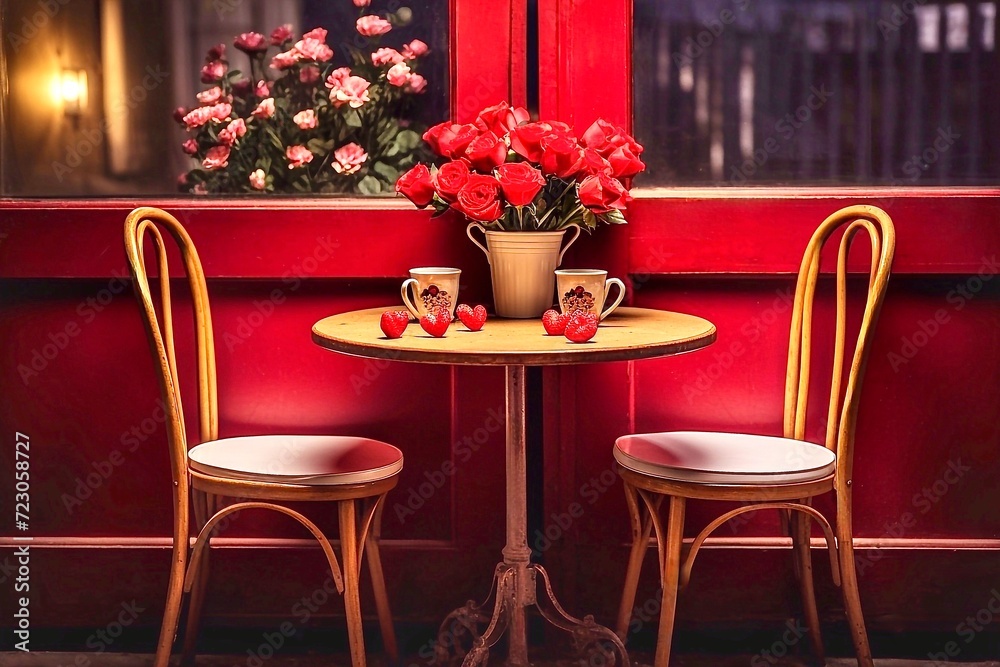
x: 352, y: 594
x: 671, y: 580
x: 641, y: 529
x: 172, y: 611
x: 849, y: 584
x: 195, y: 603
x: 378, y: 586
x: 803, y: 556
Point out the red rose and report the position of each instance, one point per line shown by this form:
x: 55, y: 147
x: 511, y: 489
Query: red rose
x: 593, y: 163
x: 605, y: 137
x: 450, y: 178
x: 601, y: 193
x: 486, y: 152
x: 520, y: 182
x: 526, y: 140
x: 251, y: 42
x: 479, y: 198
x: 448, y: 140
x: 416, y: 186
x: 561, y: 156
x: 624, y: 163
x: 500, y: 118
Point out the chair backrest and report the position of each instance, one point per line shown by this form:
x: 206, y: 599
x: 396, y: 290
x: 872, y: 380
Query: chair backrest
x: 160, y: 333
x: 844, y: 396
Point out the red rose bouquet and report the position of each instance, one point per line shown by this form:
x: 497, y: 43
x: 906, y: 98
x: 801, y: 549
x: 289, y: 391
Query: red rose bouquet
x: 515, y: 175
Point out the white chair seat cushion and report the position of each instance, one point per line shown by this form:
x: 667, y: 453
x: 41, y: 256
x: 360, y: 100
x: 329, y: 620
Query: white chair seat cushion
x: 297, y: 459
x: 724, y: 458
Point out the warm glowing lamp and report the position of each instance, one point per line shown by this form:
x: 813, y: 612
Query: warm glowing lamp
x: 73, y: 91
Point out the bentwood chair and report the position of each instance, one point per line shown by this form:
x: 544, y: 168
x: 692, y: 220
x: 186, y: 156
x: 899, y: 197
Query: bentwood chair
x: 257, y: 472
x: 765, y: 472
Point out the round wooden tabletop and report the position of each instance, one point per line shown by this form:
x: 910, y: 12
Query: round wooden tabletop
x: 629, y: 333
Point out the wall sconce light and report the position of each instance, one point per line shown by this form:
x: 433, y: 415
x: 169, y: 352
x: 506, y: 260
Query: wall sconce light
x: 73, y: 91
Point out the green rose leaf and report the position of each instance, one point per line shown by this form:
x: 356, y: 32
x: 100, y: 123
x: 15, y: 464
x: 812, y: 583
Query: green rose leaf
x: 388, y: 172
x: 615, y: 217
x: 369, y: 185
x: 407, y: 140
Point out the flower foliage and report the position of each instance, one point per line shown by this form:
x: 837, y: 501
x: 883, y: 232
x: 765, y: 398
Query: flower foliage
x: 517, y: 175
x: 297, y: 121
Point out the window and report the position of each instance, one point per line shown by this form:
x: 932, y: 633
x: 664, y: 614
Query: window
x: 91, y: 87
x: 771, y: 92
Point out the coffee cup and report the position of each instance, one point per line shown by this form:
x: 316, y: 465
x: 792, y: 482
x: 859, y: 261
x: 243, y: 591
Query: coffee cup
x: 587, y: 290
x: 431, y: 288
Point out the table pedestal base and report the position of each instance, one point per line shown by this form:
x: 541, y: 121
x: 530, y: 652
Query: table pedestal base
x: 515, y: 583
x: 515, y: 588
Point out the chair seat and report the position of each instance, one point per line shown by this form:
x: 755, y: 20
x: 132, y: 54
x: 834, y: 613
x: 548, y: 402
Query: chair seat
x: 724, y: 458
x: 297, y: 459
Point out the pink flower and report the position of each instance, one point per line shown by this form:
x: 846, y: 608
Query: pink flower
x: 221, y: 111
x: 298, y: 156
x: 213, y: 71
x: 337, y: 77
x: 258, y: 181
x: 353, y: 91
x: 415, y: 49
x: 179, y: 114
x: 281, y: 34
x: 319, y: 34
x: 216, y: 52
x: 182, y: 182
x: 285, y: 59
x: 372, y: 25
x: 197, y: 117
x: 309, y: 74
x: 385, y: 56
x: 416, y: 84
x: 216, y: 158
x: 306, y: 119
x: 190, y: 146
x: 251, y: 42
x: 210, y: 96
x: 265, y: 109
x: 362, y: 3
x: 398, y: 74
x: 200, y: 189
x: 263, y: 89
x: 314, y: 49
x: 349, y: 159
x: 236, y: 129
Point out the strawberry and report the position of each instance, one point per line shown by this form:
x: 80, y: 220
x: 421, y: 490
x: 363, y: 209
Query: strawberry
x: 554, y: 322
x: 472, y: 318
x: 436, y: 323
x: 581, y: 327
x: 394, y: 323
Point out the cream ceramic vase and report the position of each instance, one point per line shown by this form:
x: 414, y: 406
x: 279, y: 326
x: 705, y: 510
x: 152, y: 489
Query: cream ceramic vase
x: 522, y: 266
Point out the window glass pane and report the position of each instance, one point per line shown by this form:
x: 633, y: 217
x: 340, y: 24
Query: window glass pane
x: 763, y: 92
x: 92, y: 87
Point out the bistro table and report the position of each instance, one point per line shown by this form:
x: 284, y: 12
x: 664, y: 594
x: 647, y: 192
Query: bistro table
x: 629, y: 333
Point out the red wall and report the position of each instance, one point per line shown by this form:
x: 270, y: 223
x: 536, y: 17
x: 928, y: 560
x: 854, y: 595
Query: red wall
x: 86, y: 409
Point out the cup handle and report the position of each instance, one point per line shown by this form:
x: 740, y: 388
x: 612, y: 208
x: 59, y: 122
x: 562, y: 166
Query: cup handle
x: 571, y: 242
x: 468, y: 232
x: 621, y: 295
x: 404, y: 291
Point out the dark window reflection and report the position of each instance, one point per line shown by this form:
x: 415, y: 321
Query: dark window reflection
x: 754, y: 92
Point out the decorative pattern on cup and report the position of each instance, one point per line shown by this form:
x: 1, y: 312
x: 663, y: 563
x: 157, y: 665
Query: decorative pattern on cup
x: 434, y: 298
x: 578, y: 298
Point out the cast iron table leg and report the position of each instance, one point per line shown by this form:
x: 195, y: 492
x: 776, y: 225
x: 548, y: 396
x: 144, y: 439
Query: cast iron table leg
x: 515, y: 580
